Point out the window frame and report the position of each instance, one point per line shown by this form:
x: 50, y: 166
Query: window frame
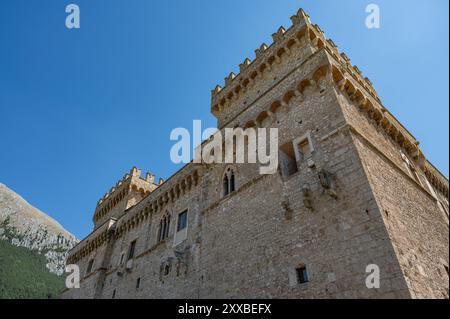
x: 185, y: 214
x: 302, y: 275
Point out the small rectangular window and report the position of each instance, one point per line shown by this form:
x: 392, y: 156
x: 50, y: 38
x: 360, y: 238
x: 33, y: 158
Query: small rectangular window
x: 182, y: 221
x: 132, y: 249
x: 302, y: 275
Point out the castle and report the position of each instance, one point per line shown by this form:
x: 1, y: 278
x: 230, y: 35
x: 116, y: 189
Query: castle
x: 353, y: 189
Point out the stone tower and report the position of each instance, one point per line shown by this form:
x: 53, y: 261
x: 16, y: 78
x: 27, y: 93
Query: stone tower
x: 353, y: 191
x: 127, y: 192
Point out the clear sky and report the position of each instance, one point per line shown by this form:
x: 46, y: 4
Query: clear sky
x: 79, y: 108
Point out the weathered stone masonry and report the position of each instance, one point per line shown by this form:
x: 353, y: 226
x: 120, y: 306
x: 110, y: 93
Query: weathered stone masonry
x: 353, y: 189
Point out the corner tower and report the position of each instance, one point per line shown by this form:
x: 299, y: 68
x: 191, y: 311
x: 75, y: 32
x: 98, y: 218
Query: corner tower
x: 304, y: 86
x: 127, y: 192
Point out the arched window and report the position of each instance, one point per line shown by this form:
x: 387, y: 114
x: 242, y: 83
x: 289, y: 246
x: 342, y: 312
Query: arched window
x: 164, y: 226
x: 229, y: 182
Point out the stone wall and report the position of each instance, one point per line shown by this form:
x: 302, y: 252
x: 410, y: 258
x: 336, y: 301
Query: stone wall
x: 417, y: 225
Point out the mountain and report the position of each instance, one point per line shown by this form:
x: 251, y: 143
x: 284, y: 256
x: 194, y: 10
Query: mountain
x: 23, y: 274
x: 31, y: 244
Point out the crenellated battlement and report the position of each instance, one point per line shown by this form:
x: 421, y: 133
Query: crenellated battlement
x: 234, y: 83
x: 127, y: 192
x: 170, y: 191
x: 300, y: 33
x: 113, y: 189
x: 134, y: 172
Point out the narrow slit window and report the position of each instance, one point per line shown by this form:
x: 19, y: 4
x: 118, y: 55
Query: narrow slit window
x: 132, y: 249
x: 166, y: 270
x: 138, y: 283
x: 225, y: 186
x: 164, y: 227
x: 232, y: 188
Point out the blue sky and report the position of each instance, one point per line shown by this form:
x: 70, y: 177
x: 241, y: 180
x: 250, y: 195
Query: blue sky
x: 79, y: 108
